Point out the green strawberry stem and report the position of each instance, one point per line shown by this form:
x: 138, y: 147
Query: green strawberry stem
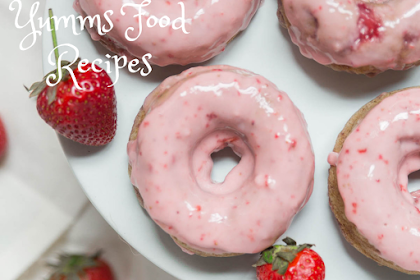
x: 54, y: 37
x: 62, y: 76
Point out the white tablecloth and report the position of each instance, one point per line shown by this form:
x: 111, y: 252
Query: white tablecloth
x: 43, y: 210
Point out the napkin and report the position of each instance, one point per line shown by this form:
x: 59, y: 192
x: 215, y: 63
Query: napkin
x: 89, y: 234
x: 43, y: 210
x: 39, y: 195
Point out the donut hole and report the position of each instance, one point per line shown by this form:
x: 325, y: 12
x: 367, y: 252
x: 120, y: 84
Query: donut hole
x: 223, y: 162
x: 414, y: 184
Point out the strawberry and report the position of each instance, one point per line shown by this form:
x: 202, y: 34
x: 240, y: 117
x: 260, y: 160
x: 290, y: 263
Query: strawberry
x: 3, y: 139
x: 290, y: 262
x: 87, y: 116
x: 79, y: 267
x: 369, y: 26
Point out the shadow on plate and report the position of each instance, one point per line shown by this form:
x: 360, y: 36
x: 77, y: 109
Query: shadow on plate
x: 343, y: 83
x: 3, y: 159
x: 210, y: 264
x: 376, y: 271
x: 74, y: 149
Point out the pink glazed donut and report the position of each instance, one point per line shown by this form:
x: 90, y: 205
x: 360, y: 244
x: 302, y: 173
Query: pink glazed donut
x: 211, y: 25
x: 361, y: 36
x: 203, y: 110
x: 373, y: 156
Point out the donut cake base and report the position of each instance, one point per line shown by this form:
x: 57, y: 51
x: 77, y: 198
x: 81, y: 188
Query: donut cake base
x: 133, y: 136
x: 368, y: 70
x: 348, y: 229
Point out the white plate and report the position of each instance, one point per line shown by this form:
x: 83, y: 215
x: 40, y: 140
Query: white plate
x: 327, y: 99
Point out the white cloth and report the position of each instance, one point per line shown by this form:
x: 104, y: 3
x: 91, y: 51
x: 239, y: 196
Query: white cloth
x: 39, y: 195
x: 91, y: 233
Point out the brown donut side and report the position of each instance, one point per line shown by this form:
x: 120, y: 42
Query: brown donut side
x: 348, y: 229
x: 156, y: 94
x: 368, y: 70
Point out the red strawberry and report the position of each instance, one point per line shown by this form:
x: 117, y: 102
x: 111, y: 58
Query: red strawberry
x: 79, y: 267
x: 368, y: 24
x: 87, y: 116
x: 290, y: 262
x: 3, y: 139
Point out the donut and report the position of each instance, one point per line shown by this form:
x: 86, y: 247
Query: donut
x: 358, y: 36
x: 203, y: 110
x: 373, y: 155
x: 210, y: 24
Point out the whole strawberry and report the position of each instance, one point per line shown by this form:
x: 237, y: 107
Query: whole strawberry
x: 79, y: 267
x: 290, y: 262
x: 87, y: 115
x: 3, y: 139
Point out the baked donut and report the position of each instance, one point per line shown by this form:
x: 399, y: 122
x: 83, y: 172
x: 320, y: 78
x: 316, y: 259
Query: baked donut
x: 373, y: 155
x: 203, y: 110
x: 210, y: 24
x: 359, y: 36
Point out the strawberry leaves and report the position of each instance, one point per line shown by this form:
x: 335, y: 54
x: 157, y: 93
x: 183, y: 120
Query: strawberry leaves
x: 280, y: 265
x: 280, y: 256
x: 289, y: 241
x: 81, y: 267
x: 73, y: 267
x: 36, y: 88
x: 40, y: 86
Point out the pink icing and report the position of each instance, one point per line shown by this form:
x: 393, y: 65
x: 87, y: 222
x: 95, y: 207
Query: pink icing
x: 333, y: 158
x: 372, y: 174
x: 356, y: 33
x: 210, y: 23
x: 206, y: 109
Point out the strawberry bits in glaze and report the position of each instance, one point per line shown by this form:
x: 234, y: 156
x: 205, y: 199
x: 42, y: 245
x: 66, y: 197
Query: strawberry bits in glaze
x: 364, y: 37
x: 203, y: 110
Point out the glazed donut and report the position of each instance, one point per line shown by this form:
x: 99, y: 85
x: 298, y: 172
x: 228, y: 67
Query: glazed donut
x: 368, y: 178
x: 203, y: 110
x: 360, y: 36
x: 211, y: 25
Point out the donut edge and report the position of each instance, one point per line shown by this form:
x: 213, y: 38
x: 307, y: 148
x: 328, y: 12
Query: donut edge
x: 112, y: 45
x: 348, y: 229
x: 133, y: 136
x: 367, y: 70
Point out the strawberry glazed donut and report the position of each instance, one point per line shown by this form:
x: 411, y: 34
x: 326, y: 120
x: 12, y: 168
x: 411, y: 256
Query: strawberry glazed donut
x: 360, y: 36
x: 210, y: 26
x: 368, y: 180
x: 201, y: 111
